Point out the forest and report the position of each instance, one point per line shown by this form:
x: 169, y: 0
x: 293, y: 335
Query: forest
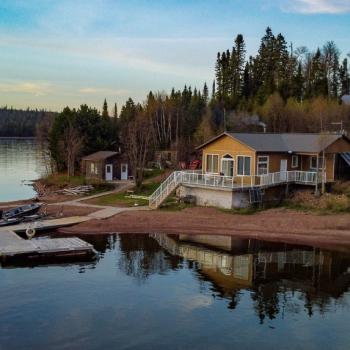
x: 22, y: 123
x: 280, y: 89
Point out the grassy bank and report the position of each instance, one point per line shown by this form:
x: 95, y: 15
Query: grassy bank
x: 56, y: 182
x: 328, y: 203
x: 135, y: 197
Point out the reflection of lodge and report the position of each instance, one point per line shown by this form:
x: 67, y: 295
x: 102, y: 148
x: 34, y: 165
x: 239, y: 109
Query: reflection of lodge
x: 232, y: 264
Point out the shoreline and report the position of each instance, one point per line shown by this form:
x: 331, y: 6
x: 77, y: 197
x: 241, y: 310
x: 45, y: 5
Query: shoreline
x: 278, y: 225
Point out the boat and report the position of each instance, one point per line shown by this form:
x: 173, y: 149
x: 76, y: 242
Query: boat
x: 8, y: 222
x: 20, y: 212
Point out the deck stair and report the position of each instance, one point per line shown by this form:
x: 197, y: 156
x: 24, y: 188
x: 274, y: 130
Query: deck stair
x: 165, y: 189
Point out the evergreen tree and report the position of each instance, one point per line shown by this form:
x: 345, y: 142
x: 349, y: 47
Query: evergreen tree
x: 344, y: 78
x: 105, y: 113
x: 205, y: 93
x: 115, y: 111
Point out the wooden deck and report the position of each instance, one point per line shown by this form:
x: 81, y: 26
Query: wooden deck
x: 12, y: 246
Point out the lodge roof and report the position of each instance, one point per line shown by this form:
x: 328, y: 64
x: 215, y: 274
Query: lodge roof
x: 284, y: 142
x: 101, y: 155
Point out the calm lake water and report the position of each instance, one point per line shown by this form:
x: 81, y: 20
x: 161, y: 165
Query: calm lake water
x: 180, y: 292
x: 21, y: 161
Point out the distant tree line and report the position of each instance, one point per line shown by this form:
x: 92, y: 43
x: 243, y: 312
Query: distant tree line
x: 22, y: 123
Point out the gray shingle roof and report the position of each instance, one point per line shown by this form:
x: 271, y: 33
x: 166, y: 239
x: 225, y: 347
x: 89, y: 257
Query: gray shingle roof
x: 287, y: 142
x: 310, y: 143
x: 101, y: 155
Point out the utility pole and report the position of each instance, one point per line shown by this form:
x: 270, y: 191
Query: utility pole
x: 224, y: 119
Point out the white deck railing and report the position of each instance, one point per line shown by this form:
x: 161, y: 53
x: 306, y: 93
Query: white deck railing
x: 193, y: 178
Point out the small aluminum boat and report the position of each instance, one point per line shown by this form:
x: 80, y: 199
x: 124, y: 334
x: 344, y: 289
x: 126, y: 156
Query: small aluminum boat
x: 19, y: 212
x: 8, y: 222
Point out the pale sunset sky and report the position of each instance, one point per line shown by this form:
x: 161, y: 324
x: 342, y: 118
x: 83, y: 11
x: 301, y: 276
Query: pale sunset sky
x: 55, y: 53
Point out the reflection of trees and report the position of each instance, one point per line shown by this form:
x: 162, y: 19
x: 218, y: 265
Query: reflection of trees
x: 266, y: 301
x: 142, y: 256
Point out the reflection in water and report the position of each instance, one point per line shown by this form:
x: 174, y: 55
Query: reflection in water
x: 21, y: 161
x: 273, y: 272
x: 180, y: 291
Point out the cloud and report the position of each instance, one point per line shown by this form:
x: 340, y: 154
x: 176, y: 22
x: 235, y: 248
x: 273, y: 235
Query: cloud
x: 27, y: 87
x: 317, y: 6
x: 105, y: 91
x: 197, y: 302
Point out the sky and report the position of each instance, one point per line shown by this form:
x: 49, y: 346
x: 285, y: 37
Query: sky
x: 55, y: 53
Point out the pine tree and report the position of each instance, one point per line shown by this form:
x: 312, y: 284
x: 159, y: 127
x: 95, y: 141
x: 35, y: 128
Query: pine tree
x: 115, y: 111
x: 205, y: 93
x: 105, y: 110
x: 318, y: 79
x: 238, y: 61
x: 218, y: 76
x: 344, y: 78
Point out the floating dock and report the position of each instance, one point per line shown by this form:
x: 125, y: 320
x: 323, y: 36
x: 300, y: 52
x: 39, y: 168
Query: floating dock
x: 12, y: 246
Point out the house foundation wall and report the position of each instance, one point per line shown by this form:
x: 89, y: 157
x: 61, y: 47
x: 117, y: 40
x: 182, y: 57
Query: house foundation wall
x: 213, y: 197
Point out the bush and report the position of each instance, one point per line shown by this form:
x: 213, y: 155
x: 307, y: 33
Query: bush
x: 327, y: 203
x: 342, y: 187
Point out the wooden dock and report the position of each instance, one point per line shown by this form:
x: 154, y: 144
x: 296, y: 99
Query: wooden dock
x: 13, y: 246
x: 51, y: 224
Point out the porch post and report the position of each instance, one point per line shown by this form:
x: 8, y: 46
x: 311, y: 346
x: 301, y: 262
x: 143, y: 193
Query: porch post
x: 323, y: 172
x: 316, y: 185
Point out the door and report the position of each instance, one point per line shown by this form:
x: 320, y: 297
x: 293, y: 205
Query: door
x: 109, y: 172
x: 283, y: 169
x: 227, y: 167
x: 124, y: 172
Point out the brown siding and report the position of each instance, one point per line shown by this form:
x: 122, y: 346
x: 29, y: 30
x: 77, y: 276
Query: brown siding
x: 341, y: 145
x: 275, y: 161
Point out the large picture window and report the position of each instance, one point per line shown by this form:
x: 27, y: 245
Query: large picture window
x: 212, y: 165
x: 263, y: 165
x: 243, y: 165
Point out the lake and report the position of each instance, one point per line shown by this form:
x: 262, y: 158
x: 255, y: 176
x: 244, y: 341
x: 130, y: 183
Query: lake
x: 180, y: 292
x: 21, y: 161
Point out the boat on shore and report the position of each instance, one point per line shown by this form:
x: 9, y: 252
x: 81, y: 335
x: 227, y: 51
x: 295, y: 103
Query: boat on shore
x: 9, y: 222
x: 21, y: 211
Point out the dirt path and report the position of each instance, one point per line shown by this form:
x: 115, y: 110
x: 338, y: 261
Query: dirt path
x: 275, y: 225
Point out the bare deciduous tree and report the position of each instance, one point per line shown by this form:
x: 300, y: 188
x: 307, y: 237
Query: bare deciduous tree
x: 72, y: 145
x: 139, y: 140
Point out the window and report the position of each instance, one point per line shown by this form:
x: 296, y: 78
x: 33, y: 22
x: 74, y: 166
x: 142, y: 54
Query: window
x: 313, y: 163
x: 263, y: 165
x: 295, y: 161
x: 93, y: 169
x: 243, y: 165
x: 212, y: 163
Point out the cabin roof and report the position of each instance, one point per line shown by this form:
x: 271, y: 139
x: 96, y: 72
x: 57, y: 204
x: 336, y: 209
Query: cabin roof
x: 284, y: 142
x: 101, y: 155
